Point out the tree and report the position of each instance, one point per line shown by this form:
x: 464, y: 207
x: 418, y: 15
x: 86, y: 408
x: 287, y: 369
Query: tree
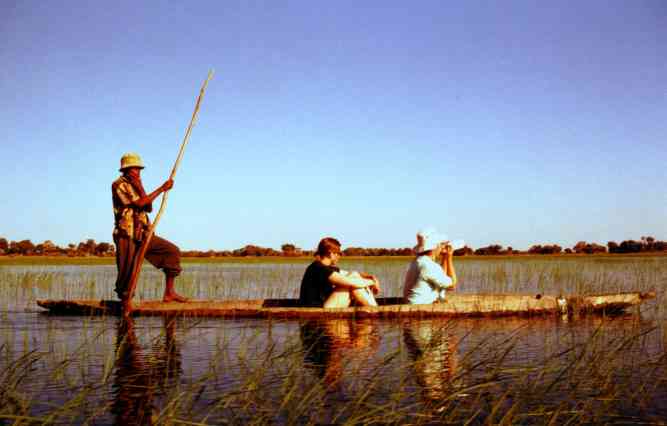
x: 579, y: 247
x: 546, y: 249
x: 290, y: 250
x: 596, y: 248
x: 103, y: 248
x: 13, y: 248
x: 354, y: 251
x: 630, y: 246
x: 463, y: 251
x: 4, y: 245
x: 649, y: 243
x: 252, y: 250
x: 489, y: 250
x: 535, y: 249
x: 555, y: 249
x: 49, y: 248
x: 25, y: 247
x: 584, y: 247
x: 87, y: 247
x: 660, y: 246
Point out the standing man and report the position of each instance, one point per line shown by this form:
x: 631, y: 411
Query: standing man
x: 131, y: 206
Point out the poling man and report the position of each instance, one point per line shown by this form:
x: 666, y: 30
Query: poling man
x: 131, y: 206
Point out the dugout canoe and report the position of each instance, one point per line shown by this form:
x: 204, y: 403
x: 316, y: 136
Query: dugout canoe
x: 457, y: 304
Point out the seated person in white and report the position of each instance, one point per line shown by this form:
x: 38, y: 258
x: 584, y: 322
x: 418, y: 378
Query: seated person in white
x: 427, y: 279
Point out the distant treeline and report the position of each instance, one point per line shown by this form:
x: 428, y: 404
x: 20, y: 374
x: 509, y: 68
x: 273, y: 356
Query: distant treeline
x: 48, y: 248
x: 289, y: 250
x: 91, y: 248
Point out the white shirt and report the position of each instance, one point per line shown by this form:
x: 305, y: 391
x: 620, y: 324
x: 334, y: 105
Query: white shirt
x: 424, y: 281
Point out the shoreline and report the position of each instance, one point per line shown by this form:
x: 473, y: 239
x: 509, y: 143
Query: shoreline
x: 110, y: 260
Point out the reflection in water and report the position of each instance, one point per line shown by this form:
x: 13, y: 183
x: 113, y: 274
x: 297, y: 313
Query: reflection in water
x: 536, y: 370
x: 433, y: 349
x: 327, y: 344
x: 141, y: 376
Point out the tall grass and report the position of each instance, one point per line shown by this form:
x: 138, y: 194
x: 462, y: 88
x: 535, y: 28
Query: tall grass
x: 92, y: 370
x: 20, y: 285
x: 463, y: 371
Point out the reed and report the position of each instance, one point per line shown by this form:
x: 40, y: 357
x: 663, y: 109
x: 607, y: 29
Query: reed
x: 592, y: 377
x: 62, y: 370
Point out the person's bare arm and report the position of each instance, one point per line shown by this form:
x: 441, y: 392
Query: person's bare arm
x: 352, y: 281
x: 143, y: 201
x: 376, y: 286
x: 447, y: 263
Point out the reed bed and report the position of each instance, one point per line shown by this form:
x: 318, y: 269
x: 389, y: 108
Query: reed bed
x: 417, y: 372
x: 272, y: 278
x: 96, y: 370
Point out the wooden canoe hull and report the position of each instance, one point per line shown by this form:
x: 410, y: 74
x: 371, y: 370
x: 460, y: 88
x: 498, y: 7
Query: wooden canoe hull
x: 457, y: 304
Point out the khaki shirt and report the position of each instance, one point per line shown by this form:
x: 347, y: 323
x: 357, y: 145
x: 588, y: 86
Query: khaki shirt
x: 129, y: 221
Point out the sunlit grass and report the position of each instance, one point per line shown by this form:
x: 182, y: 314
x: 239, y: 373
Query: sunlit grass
x: 604, y: 371
x: 21, y: 285
x: 68, y: 370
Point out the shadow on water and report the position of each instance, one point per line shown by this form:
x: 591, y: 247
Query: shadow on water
x: 141, y: 376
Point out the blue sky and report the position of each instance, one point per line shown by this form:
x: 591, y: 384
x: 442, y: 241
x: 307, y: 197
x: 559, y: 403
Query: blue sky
x: 513, y: 122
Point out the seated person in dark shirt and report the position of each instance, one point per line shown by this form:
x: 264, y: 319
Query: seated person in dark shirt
x: 326, y: 285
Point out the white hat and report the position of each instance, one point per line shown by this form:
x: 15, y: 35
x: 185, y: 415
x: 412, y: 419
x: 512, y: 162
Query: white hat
x: 429, y: 238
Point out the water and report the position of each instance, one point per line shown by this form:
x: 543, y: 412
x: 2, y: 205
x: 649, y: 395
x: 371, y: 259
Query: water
x: 97, y: 370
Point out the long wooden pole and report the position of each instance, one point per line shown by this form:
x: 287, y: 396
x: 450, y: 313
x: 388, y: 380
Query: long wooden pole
x: 139, y: 257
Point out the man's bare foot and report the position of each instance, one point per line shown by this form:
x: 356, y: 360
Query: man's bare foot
x: 175, y: 297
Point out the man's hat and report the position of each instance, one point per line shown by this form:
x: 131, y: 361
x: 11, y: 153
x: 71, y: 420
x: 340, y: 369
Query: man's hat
x: 130, y: 159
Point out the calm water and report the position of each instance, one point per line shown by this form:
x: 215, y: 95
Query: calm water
x: 95, y: 370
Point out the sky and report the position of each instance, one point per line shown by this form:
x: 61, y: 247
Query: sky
x: 512, y: 123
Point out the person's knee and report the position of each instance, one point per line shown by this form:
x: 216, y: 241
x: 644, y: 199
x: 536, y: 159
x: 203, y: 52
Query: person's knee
x: 170, y: 249
x: 171, y: 258
x: 338, y: 299
x: 364, y: 297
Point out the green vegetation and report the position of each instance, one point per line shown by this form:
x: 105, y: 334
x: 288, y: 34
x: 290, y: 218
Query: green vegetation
x: 202, y: 372
x: 27, y: 278
x: 90, y: 248
x: 65, y: 370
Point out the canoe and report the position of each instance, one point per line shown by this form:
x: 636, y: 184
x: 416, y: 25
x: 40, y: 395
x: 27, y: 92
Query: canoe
x: 457, y: 304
